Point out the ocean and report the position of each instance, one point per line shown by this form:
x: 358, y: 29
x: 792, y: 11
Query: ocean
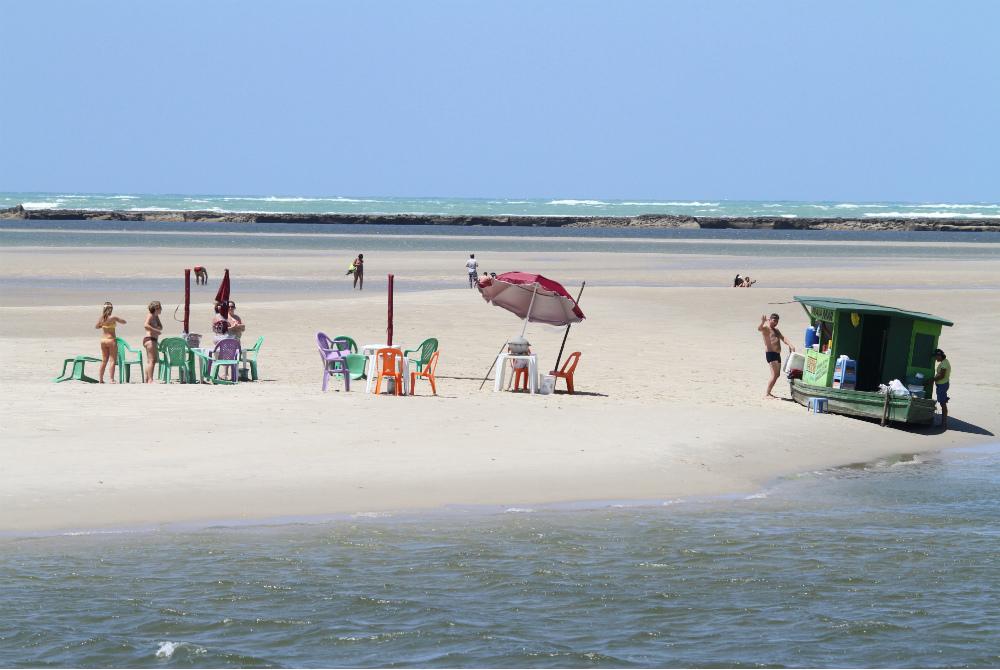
x: 885, y: 564
x: 139, y: 202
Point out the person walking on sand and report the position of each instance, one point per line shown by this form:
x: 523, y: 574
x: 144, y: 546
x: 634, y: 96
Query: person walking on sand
x: 772, y: 348
x: 200, y: 275
x: 472, y: 267
x: 942, y: 377
x: 359, y: 272
x: 154, y: 328
x: 109, y: 340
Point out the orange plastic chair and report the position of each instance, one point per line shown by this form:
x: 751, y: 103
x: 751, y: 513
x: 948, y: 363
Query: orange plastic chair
x: 387, y: 362
x: 567, y: 370
x: 520, y: 374
x: 427, y: 372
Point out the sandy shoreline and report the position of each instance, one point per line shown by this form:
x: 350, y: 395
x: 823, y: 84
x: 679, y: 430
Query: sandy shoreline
x: 671, y: 382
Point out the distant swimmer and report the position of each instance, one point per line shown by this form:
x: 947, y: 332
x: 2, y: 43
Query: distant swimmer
x: 200, y: 275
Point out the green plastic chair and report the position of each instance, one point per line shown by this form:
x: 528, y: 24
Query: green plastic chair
x: 175, y: 353
x: 350, y: 341
x: 426, y: 350
x: 125, y: 363
x: 356, y: 365
x: 77, y: 373
x: 246, y: 359
x: 355, y: 362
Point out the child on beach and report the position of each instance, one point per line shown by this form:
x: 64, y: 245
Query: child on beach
x: 109, y: 340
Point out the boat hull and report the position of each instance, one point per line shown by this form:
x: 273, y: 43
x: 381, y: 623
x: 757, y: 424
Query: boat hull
x: 867, y: 404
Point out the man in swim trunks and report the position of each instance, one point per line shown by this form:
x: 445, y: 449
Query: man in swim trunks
x: 200, y: 275
x: 942, y: 377
x: 772, y: 348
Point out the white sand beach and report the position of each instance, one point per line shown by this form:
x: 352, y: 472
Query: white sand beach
x: 669, y: 401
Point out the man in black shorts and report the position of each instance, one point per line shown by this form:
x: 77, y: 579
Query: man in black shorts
x: 200, y: 275
x: 772, y: 348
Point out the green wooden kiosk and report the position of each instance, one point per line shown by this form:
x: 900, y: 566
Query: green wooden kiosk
x: 886, y: 342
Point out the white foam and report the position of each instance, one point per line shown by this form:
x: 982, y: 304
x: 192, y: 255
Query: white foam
x: 789, y: 216
x: 518, y: 510
x: 167, y: 649
x: 931, y: 215
x: 576, y: 202
x: 949, y: 206
x: 756, y: 496
x: 769, y: 205
x: 694, y: 203
x: 274, y: 198
x: 123, y: 197
x: 41, y: 205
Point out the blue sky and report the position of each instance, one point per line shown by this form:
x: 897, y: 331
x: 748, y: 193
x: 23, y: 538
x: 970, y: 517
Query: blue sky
x: 736, y: 100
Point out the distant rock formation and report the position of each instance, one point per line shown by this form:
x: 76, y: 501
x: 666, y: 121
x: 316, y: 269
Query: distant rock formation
x: 641, y: 221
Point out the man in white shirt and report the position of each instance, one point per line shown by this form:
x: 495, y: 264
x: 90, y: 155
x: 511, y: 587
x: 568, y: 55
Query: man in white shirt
x: 473, y: 268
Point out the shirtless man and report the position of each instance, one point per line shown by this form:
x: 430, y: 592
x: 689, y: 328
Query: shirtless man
x: 772, y: 348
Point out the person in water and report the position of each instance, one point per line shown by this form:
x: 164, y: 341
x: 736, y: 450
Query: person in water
x: 200, y: 275
x: 154, y: 328
x: 772, y: 348
x: 942, y: 377
x: 359, y: 272
x: 109, y: 340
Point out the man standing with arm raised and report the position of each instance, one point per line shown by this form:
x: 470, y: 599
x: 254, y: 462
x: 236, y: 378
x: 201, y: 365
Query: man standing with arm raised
x: 772, y: 348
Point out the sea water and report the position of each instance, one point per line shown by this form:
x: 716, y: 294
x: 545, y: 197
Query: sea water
x: 886, y: 564
x: 339, y: 204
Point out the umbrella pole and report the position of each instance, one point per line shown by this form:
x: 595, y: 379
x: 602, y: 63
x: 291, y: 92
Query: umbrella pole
x: 491, y: 365
x: 530, y: 305
x: 566, y: 334
x: 389, y: 330
x: 187, y: 298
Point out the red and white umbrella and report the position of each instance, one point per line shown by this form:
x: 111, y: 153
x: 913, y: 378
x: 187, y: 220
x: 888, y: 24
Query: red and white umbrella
x: 533, y: 298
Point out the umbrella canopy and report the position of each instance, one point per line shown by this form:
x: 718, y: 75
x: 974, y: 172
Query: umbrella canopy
x: 533, y: 297
x: 222, y: 295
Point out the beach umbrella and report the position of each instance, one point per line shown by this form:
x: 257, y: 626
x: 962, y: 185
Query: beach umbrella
x: 535, y: 299
x: 222, y: 295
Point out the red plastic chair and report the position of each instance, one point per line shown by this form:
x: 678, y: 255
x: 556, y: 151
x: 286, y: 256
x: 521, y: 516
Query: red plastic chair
x: 388, y: 363
x: 427, y: 372
x: 567, y: 370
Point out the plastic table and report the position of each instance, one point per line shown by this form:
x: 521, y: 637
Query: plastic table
x: 501, y: 368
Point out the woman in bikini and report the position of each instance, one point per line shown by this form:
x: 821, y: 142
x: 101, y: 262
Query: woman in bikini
x: 359, y: 272
x: 109, y: 341
x: 151, y: 342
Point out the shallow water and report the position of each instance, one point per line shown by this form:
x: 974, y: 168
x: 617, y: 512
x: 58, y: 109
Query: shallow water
x: 883, y: 564
x: 785, y: 244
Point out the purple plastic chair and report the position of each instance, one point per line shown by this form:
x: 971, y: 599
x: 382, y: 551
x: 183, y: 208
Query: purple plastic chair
x: 334, y: 356
x: 226, y: 355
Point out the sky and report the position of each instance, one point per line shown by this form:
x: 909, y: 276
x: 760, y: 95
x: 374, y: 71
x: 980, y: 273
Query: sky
x: 743, y: 100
